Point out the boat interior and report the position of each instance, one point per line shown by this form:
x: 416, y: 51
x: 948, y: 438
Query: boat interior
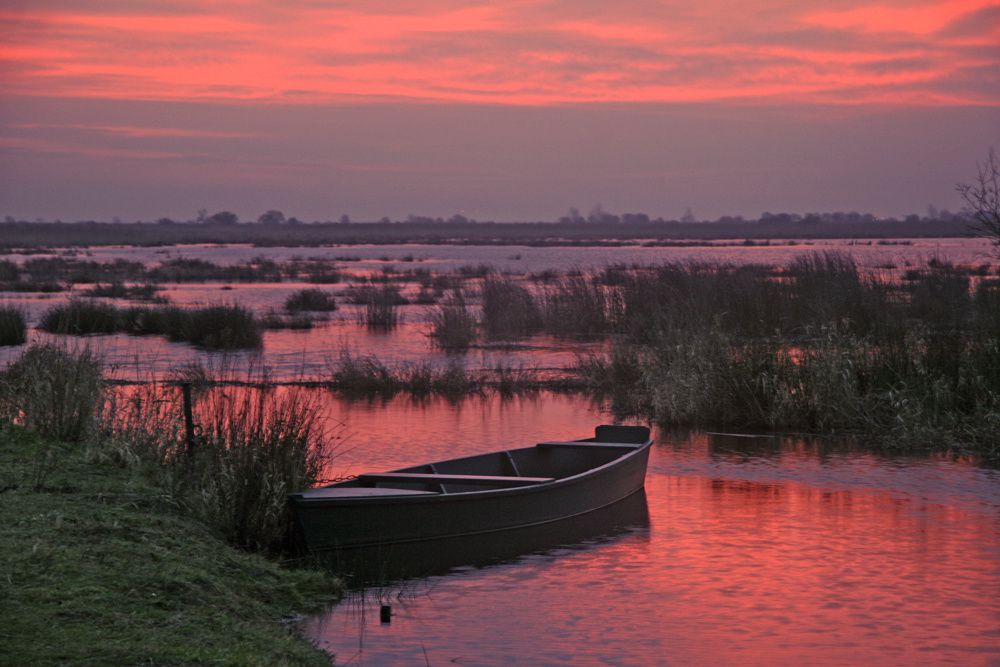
x: 528, y: 466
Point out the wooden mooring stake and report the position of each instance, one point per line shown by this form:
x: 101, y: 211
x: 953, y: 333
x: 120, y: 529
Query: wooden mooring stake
x: 189, y: 429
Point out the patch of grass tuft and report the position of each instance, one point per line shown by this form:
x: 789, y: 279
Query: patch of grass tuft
x: 81, y: 317
x: 310, y: 299
x: 54, y: 391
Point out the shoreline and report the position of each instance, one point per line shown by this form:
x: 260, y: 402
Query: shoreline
x: 99, y: 568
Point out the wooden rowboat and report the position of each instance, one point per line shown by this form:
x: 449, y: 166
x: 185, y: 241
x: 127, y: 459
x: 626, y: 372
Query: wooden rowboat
x: 475, y: 495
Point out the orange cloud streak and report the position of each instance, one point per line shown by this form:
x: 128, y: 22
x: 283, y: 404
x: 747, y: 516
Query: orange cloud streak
x: 528, y: 52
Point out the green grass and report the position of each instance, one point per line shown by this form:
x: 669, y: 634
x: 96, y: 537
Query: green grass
x: 98, y: 568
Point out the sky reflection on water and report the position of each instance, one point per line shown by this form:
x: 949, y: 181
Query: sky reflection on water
x: 786, y: 553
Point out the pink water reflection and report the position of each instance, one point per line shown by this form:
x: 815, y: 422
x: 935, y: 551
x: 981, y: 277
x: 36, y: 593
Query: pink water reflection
x: 786, y: 553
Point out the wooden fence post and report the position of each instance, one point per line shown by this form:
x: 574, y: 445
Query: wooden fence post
x: 189, y: 435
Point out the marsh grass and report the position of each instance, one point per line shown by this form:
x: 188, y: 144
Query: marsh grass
x: 80, y: 317
x: 311, y: 299
x: 273, y: 320
x: 118, y: 290
x: 32, y: 286
x: 9, y: 271
x: 190, y: 270
x: 219, y: 327
x: 364, y: 375
x: 426, y: 297
x: 510, y: 311
x: 577, y: 307
x: 380, y: 307
x: 817, y: 345
x: 926, y: 390
x: 368, y: 376
x: 256, y: 444
x: 54, y: 390
x: 13, y: 326
x: 453, y: 326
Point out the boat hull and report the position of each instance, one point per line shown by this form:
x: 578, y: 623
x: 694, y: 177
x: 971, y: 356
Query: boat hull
x: 367, y: 522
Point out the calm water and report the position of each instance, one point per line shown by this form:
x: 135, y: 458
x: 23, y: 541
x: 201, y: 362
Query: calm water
x: 755, y: 551
x: 527, y: 259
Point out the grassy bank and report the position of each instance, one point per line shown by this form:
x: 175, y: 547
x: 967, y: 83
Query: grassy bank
x: 99, y: 567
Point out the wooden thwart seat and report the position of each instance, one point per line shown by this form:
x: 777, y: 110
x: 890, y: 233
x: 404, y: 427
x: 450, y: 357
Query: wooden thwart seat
x: 438, y: 478
x: 590, y: 444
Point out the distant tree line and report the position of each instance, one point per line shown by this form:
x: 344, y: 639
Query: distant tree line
x: 597, y: 216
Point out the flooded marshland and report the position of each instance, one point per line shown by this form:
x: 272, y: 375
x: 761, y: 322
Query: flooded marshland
x: 291, y: 353
x: 769, y: 549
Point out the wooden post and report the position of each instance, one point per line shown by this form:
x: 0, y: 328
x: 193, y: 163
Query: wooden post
x: 189, y: 437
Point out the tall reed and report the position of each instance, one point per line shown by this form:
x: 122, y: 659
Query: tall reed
x: 576, y: 306
x: 54, y: 390
x: 381, y: 307
x: 453, y: 326
x: 255, y: 446
x: 509, y: 308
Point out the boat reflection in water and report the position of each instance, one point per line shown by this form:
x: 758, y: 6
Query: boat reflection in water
x: 385, y: 564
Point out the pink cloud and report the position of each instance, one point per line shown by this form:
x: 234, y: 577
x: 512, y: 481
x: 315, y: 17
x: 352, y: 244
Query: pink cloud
x: 530, y: 52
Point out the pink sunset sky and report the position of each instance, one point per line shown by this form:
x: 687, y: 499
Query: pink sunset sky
x: 508, y: 111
